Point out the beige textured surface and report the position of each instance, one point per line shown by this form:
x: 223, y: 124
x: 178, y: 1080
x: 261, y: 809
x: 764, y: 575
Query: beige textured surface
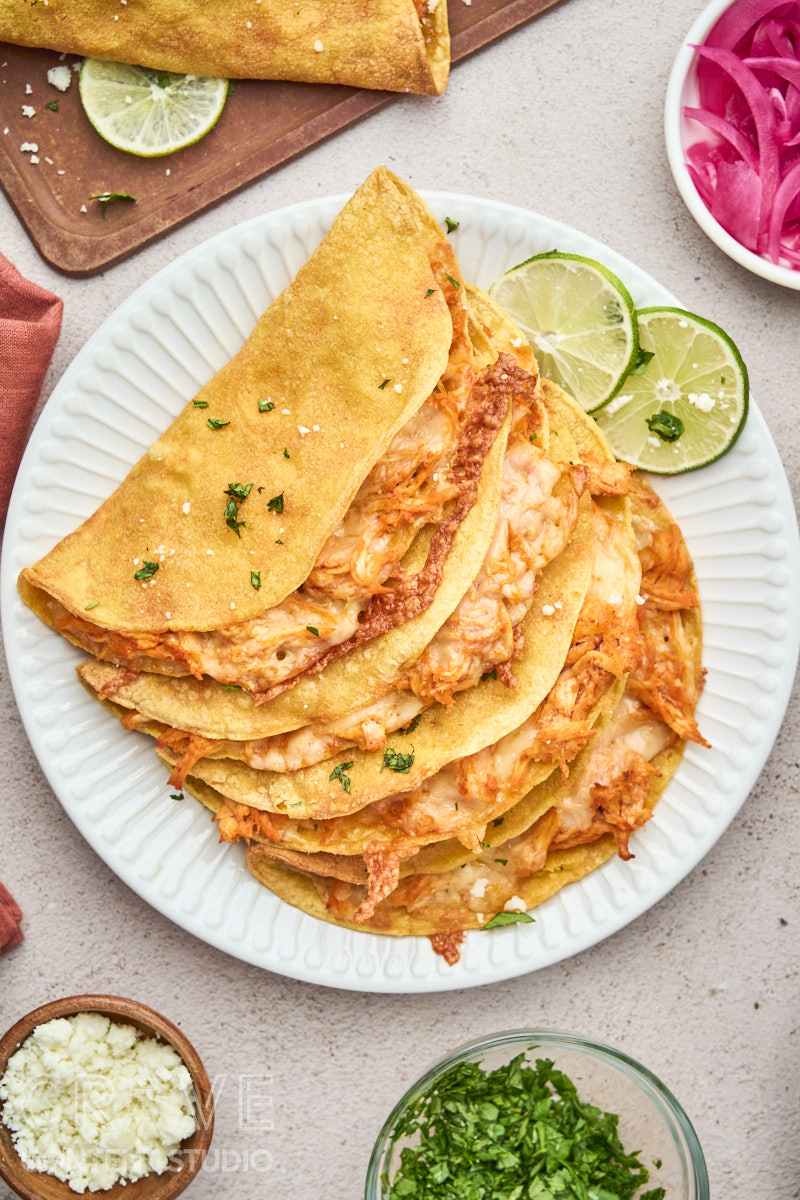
x: 563, y: 116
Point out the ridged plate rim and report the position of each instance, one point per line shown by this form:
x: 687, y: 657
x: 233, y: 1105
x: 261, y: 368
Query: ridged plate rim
x: 740, y: 526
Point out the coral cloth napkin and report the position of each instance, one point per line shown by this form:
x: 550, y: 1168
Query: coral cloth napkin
x: 10, y: 917
x: 30, y: 322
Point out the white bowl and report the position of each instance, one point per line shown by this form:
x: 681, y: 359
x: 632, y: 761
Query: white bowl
x: 680, y: 133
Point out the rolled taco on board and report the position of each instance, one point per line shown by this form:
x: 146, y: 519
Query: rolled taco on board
x: 392, y: 45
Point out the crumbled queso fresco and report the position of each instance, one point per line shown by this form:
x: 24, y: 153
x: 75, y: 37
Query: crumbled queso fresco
x: 92, y: 1102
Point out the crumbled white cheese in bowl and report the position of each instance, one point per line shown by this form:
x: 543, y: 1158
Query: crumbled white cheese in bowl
x: 94, y: 1102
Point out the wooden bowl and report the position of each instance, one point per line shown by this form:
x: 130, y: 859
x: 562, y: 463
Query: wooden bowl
x: 34, y: 1185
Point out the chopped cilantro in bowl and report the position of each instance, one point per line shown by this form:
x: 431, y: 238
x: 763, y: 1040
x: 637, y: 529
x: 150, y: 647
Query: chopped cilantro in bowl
x: 533, y: 1115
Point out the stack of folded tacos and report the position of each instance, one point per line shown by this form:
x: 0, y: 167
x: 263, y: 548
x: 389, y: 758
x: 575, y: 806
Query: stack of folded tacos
x: 386, y: 602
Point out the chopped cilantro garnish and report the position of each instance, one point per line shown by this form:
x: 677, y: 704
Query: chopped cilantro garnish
x: 278, y: 541
x: 231, y: 88
x: 53, y: 106
x: 454, y: 282
x: 147, y: 571
x: 255, y: 579
x: 199, y: 404
x: 642, y: 359
x: 231, y: 517
x: 668, y: 427
x: 429, y: 292
x: 490, y: 674
x: 213, y: 423
x: 339, y: 773
x: 381, y: 386
x: 265, y: 406
x: 285, y: 452
x: 412, y: 726
x: 239, y: 490
x: 105, y: 198
x: 313, y: 629
x: 508, y: 918
x: 503, y: 861
x: 275, y: 504
x: 532, y: 437
x: 231, y: 687
x: 519, y: 1132
x: 93, y: 604
x: 164, y: 80
x: 401, y: 763
x: 497, y: 821
x: 451, y: 224
x: 176, y: 795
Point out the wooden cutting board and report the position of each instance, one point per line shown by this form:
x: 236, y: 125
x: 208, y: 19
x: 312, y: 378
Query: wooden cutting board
x: 263, y: 124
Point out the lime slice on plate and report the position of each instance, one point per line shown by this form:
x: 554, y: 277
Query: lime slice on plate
x: 146, y: 112
x: 689, y: 404
x: 578, y: 317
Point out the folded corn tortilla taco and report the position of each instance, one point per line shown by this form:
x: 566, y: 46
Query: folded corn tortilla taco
x: 392, y: 45
x: 310, y: 462
x: 568, y: 824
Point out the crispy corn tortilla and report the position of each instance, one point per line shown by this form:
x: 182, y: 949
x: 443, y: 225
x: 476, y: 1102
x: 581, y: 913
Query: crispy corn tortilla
x: 364, y: 43
x: 282, y: 873
x: 372, y: 273
x: 478, y: 717
x: 357, y: 679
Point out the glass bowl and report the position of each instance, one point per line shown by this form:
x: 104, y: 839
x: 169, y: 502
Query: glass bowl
x: 651, y: 1121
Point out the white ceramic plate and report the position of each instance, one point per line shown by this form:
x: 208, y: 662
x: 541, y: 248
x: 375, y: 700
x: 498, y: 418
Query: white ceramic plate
x: 130, y: 380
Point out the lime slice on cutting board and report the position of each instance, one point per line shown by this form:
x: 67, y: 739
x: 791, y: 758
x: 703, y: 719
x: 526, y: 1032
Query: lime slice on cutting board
x: 578, y: 317
x: 149, y: 113
x: 688, y: 405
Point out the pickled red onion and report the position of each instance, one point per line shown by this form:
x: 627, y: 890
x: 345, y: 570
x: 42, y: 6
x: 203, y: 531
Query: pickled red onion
x: 748, y: 170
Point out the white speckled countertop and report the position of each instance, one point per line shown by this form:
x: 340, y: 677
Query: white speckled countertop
x: 563, y: 116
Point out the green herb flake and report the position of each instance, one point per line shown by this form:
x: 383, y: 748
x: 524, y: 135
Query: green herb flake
x: 231, y: 517
x: 265, y: 406
x: 240, y: 491
x: 313, y: 629
x: 451, y: 224
x: 231, y: 88
x: 454, y: 282
x: 668, y: 427
x: 519, y: 1132
x: 255, y: 579
x: 106, y: 198
x: 339, y: 773
x: 199, y: 404
x: 146, y: 572
x: 164, y: 80
x: 429, y: 292
x: 90, y: 606
x: 497, y: 821
x: 213, y: 423
x: 532, y: 437
x: 231, y: 687
x: 53, y: 106
x: 381, y: 386
x: 503, y: 861
x: 508, y: 918
x: 275, y: 504
x: 412, y: 726
x: 401, y: 763
x: 489, y: 674
x: 642, y: 360
x: 285, y: 452
x: 278, y: 542
x: 176, y: 795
